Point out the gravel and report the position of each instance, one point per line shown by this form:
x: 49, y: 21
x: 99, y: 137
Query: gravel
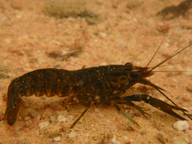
x: 181, y: 125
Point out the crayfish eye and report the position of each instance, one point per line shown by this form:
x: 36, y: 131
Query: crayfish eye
x: 128, y: 64
x: 134, y: 74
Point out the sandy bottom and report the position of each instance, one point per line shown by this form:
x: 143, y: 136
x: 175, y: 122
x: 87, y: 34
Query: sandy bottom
x: 30, y: 40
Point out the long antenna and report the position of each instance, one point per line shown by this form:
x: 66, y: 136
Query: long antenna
x: 170, y: 57
x: 155, y: 52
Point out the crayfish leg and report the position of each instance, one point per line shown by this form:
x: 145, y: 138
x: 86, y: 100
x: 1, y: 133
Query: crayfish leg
x: 117, y: 98
x: 161, y: 105
x: 126, y: 116
x: 127, y: 102
x: 137, y: 108
x: 88, y: 106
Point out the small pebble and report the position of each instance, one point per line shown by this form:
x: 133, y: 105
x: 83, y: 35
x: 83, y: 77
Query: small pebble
x: 43, y: 125
x: 166, y: 55
x: 100, y: 115
x: 114, y: 141
x: 180, y: 140
x: 53, y: 131
x: 186, y: 25
x: 125, y: 138
x: 163, y: 27
x: 38, y: 117
x: 189, y: 132
x: 72, y: 134
x: 70, y: 117
x: 53, y: 119
x: 133, y: 3
x: 28, y: 123
x: 47, y: 113
x: 37, y: 132
x: 33, y: 114
x: 189, y: 87
x: 87, y: 135
x: 102, y: 35
x: 19, y: 16
x: 16, y: 5
x: 55, y: 54
x: 58, y: 138
x: 27, y: 118
x: 8, y: 41
x: 61, y: 118
x: 181, y: 125
x: 54, y: 42
x: 97, y: 110
x: 121, y: 43
x: 114, y: 5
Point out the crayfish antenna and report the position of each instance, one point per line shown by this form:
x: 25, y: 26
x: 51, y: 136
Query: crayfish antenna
x: 174, y: 54
x: 155, y: 52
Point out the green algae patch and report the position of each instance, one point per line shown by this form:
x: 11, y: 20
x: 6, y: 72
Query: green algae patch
x: 65, y: 10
